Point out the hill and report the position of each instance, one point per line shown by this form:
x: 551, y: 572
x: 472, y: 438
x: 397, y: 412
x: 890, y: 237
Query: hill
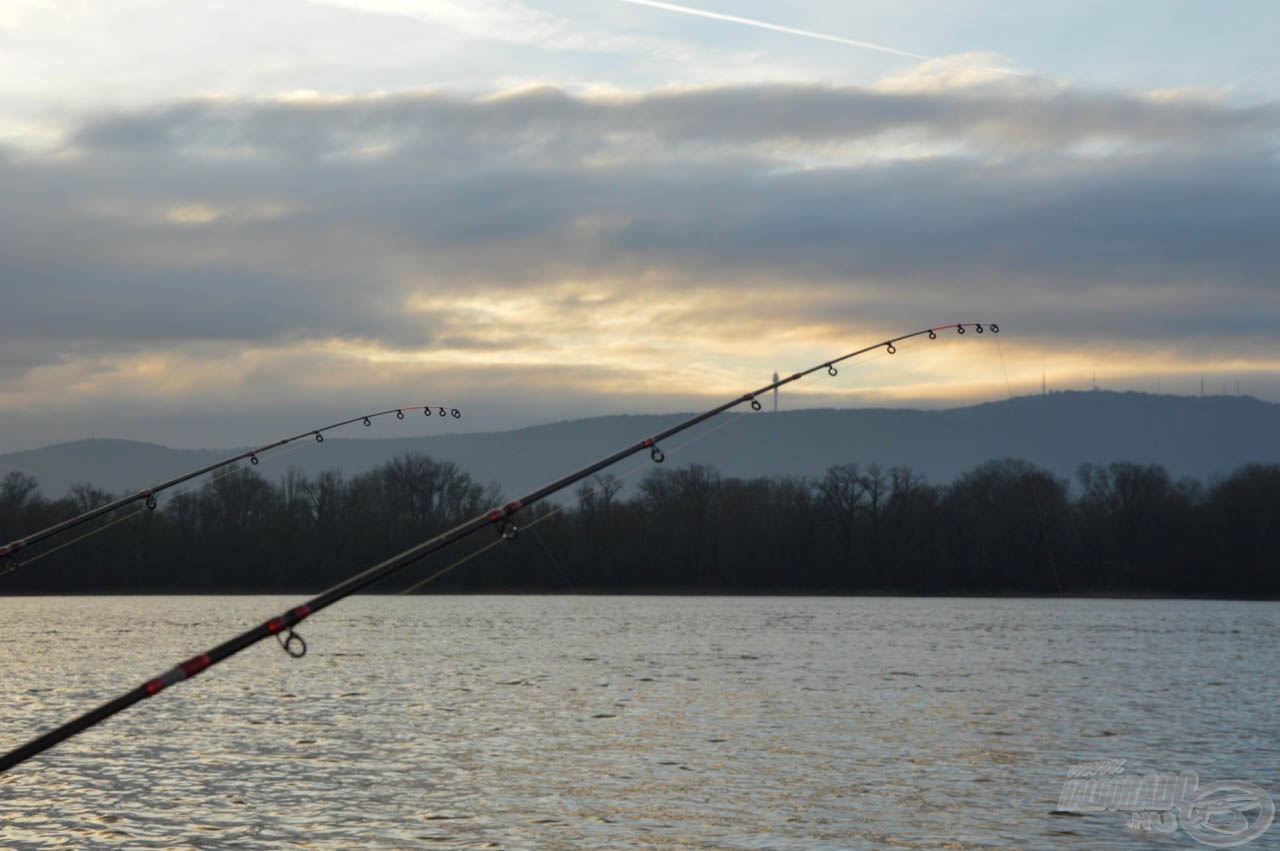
x: 1189, y: 436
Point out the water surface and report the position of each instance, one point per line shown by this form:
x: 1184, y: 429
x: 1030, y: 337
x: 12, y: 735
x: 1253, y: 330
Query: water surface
x: 628, y: 722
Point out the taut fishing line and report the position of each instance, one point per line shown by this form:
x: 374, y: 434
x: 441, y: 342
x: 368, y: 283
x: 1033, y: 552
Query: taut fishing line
x: 579, y: 497
x: 11, y: 564
x: 8, y: 552
x: 500, y: 519
x: 449, y: 568
x: 1031, y: 483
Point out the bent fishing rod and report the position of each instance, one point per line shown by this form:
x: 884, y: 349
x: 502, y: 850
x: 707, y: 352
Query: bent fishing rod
x: 8, y: 552
x: 282, y: 627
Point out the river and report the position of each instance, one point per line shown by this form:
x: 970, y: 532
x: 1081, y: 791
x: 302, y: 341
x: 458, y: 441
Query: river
x: 630, y: 722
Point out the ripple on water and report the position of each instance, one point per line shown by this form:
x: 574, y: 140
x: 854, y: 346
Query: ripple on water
x: 522, y: 722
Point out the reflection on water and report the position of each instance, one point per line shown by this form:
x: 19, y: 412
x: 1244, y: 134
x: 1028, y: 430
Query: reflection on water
x: 611, y: 722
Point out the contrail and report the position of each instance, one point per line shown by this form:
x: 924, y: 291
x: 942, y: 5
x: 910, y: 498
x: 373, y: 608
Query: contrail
x: 765, y: 25
x: 852, y: 42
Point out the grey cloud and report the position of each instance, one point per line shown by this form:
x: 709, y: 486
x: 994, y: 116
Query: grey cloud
x: 516, y: 193
x: 925, y: 225
x: 150, y: 307
x: 550, y: 123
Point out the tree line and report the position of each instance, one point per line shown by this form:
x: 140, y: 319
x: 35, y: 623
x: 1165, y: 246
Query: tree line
x: 1006, y: 526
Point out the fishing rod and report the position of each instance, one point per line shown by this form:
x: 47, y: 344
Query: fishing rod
x: 282, y: 627
x: 8, y: 552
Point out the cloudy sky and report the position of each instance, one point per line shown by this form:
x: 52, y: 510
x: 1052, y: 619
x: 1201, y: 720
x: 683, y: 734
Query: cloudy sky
x: 225, y: 222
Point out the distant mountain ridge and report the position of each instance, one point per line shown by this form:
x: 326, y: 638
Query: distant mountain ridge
x: 1189, y: 436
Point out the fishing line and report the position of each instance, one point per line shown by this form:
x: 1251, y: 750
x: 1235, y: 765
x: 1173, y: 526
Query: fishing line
x: 15, y: 564
x: 554, y: 511
x: 168, y: 500
x: 1031, y: 482
x: 533, y: 527
x: 230, y: 470
x: 147, y: 496
x: 452, y: 566
x: 581, y: 496
x: 500, y: 519
x: 530, y: 526
x: 578, y: 499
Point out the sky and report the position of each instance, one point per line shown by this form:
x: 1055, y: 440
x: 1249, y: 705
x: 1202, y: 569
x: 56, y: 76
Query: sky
x: 222, y: 223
